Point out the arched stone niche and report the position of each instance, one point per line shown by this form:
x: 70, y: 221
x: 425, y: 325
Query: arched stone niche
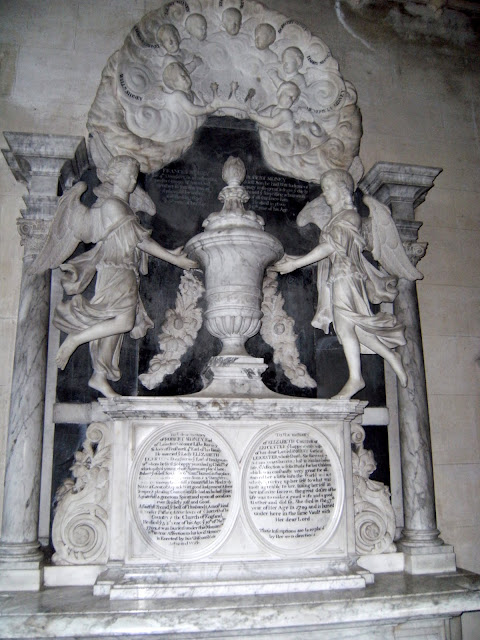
x: 188, y: 59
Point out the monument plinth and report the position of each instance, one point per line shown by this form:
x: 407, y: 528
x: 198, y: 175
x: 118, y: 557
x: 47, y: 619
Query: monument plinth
x: 216, y: 505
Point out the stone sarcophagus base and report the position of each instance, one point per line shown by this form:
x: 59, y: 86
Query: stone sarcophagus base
x: 202, y: 496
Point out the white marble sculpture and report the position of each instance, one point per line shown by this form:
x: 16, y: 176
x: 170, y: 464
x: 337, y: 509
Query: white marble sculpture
x: 80, y: 526
x: 157, y: 89
x: 182, y: 323
x: 119, y: 256
x: 236, y: 491
x: 347, y: 282
x: 234, y: 251
x: 278, y: 331
x: 374, y: 515
x: 179, y: 331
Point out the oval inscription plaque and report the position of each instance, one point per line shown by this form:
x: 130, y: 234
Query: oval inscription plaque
x: 184, y: 491
x: 293, y: 489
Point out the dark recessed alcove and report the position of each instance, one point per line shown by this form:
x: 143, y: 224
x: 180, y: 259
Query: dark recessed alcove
x: 185, y: 193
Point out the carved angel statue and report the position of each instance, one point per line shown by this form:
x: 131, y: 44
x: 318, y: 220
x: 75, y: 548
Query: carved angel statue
x: 347, y: 282
x: 117, y: 258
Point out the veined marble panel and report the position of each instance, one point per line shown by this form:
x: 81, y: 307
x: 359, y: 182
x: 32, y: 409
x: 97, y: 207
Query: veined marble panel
x: 257, y: 493
x: 385, y: 610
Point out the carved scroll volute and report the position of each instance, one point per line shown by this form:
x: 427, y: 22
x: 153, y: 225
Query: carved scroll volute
x: 415, y: 251
x: 80, y: 525
x: 374, y: 515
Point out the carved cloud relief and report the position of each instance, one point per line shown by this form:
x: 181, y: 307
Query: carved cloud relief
x: 187, y: 60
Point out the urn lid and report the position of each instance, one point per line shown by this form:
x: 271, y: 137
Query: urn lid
x: 233, y: 197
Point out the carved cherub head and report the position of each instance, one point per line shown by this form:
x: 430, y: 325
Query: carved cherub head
x: 287, y: 94
x: 196, y: 25
x: 176, y: 77
x: 337, y: 187
x: 169, y: 37
x: 264, y: 36
x: 232, y: 20
x: 123, y: 172
x: 292, y: 59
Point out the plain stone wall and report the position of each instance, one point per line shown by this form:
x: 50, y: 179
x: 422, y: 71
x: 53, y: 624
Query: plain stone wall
x: 420, y: 105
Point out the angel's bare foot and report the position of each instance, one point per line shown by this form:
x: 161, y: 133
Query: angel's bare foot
x: 352, y: 387
x: 99, y: 383
x: 397, y: 366
x: 66, y: 349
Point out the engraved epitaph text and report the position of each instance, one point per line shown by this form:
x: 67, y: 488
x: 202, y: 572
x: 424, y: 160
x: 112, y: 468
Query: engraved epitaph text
x: 292, y: 490
x: 183, y: 492
x: 180, y: 186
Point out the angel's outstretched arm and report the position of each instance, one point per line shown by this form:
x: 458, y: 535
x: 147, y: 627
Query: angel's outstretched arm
x: 273, y: 73
x: 195, y: 109
x: 173, y: 257
x: 289, y: 263
x: 272, y: 122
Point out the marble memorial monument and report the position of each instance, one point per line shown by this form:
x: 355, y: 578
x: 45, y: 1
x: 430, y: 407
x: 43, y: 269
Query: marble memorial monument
x: 227, y: 487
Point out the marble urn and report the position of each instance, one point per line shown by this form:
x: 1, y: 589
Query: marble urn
x: 234, y: 252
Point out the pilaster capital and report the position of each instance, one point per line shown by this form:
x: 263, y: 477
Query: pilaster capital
x: 402, y: 187
x: 33, y: 233
x: 42, y: 163
x: 415, y: 251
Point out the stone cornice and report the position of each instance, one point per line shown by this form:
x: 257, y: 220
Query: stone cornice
x: 43, y: 162
x: 402, y: 187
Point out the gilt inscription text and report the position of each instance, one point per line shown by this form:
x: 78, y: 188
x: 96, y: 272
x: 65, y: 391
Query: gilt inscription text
x: 273, y: 193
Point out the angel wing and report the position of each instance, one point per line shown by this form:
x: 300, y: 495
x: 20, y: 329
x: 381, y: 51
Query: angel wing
x: 385, y: 243
x: 356, y: 170
x: 317, y: 212
x: 141, y: 201
x: 70, y: 226
x: 103, y: 191
x: 101, y: 156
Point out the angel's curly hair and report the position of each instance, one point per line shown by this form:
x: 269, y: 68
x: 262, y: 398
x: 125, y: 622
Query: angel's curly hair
x: 115, y: 165
x: 338, y: 176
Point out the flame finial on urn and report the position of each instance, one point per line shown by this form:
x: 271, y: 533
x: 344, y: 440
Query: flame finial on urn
x: 233, y: 172
x: 233, y: 196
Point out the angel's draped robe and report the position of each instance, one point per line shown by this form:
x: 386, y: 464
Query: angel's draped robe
x: 117, y: 260
x: 346, y: 283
